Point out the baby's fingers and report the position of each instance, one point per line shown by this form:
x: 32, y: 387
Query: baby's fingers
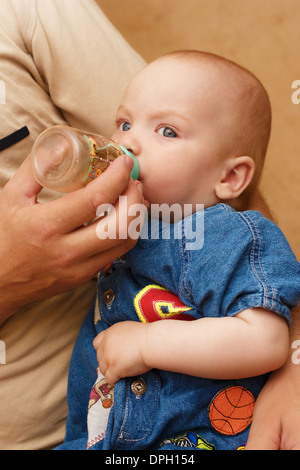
x: 110, y: 378
x: 97, y: 341
x: 103, y: 361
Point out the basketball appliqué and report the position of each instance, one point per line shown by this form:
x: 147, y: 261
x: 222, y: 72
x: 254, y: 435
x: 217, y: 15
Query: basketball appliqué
x: 231, y: 410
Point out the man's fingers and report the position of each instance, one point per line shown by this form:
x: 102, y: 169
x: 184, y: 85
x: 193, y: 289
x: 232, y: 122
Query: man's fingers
x: 95, y: 263
x: 77, y: 208
x: 119, y: 228
x: 265, y: 441
x: 23, y: 186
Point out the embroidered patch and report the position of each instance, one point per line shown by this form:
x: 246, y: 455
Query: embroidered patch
x: 157, y: 303
x: 189, y: 439
x: 231, y: 410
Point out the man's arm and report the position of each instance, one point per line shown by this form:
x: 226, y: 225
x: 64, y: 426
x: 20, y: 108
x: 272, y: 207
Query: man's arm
x: 276, y: 420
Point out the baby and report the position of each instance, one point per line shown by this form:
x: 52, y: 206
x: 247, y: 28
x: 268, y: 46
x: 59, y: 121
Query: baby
x: 180, y: 341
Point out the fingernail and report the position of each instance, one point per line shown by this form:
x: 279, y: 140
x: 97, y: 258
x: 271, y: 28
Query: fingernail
x: 129, y: 162
x: 139, y: 186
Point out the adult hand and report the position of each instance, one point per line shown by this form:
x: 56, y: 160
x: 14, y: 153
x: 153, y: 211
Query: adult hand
x: 276, y: 420
x: 277, y: 413
x: 45, y: 249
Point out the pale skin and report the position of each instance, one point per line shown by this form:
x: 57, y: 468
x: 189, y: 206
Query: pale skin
x: 55, y: 233
x: 215, y: 348
x: 254, y: 341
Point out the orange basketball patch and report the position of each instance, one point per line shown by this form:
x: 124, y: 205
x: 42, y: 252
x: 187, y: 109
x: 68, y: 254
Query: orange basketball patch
x: 231, y: 410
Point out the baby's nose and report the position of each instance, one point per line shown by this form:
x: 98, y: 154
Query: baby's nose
x: 130, y: 143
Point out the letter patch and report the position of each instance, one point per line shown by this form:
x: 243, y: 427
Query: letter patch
x: 157, y: 303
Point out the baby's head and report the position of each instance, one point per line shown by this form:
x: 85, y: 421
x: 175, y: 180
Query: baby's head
x: 199, y: 126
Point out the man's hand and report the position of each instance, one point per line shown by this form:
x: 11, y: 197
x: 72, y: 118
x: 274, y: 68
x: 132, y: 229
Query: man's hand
x: 276, y: 420
x: 277, y: 413
x: 45, y: 249
x: 119, y: 351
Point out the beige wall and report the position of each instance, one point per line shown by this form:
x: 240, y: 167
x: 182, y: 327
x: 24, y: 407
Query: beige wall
x: 263, y: 36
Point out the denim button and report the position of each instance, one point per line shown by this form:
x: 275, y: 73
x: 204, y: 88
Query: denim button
x: 108, y: 297
x: 139, y: 387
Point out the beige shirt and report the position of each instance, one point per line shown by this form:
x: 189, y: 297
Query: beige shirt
x: 60, y: 61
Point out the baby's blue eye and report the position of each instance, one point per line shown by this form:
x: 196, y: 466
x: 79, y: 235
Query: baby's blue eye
x: 125, y: 126
x: 167, y: 132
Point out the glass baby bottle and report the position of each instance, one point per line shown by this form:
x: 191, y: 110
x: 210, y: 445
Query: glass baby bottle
x: 65, y: 159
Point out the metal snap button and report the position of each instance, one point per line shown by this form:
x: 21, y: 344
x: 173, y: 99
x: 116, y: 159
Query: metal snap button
x: 139, y: 387
x: 108, y: 297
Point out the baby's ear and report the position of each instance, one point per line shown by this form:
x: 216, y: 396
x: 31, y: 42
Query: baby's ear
x: 237, y: 175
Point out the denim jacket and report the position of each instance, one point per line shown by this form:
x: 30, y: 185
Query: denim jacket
x: 244, y: 261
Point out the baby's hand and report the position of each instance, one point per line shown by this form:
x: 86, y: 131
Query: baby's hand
x: 120, y: 351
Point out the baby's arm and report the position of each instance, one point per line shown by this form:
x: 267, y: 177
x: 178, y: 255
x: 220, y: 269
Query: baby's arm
x: 251, y: 343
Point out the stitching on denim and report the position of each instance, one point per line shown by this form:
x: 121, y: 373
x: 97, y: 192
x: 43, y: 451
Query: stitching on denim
x: 185, y: 261
x: 125, y: 415
x: 153, y: 415
x: 255, y: 259
x: 118, y: 299
x: 226, y: 207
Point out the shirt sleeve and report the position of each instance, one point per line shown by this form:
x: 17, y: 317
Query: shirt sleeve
x: 83, y: 60
x: 245, y: 262
x: 61, y: 62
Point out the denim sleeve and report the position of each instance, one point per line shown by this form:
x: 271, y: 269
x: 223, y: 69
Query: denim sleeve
x: 245, y: 262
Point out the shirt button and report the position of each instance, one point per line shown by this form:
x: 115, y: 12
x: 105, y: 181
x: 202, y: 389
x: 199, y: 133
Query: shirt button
x: 108, y: 297
x: 139, y: 387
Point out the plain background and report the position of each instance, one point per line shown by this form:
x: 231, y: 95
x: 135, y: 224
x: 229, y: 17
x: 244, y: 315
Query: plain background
x: 261, y: 35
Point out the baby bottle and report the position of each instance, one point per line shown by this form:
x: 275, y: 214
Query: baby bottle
x: 65, y: 159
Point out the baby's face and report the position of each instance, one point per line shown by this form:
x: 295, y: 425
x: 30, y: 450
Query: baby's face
x: 171, y: 119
